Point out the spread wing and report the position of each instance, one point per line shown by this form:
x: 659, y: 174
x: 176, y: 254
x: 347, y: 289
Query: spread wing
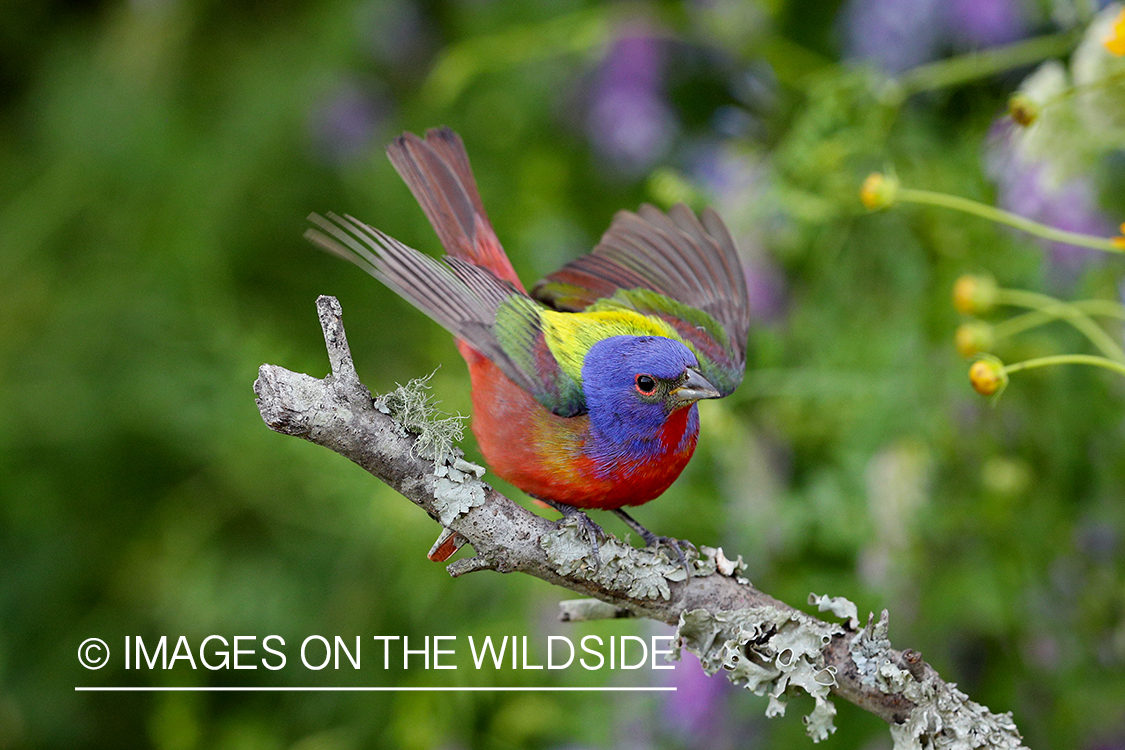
x: 469, y: 301
x: 675, y: 266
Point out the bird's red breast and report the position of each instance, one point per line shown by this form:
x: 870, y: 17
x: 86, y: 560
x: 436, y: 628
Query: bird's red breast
x: 545, y: 455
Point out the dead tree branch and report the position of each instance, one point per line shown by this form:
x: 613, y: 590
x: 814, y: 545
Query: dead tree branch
x: 762, y: 643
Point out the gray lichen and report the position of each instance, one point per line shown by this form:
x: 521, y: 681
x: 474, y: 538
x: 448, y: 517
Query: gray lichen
x: 771, y: 652
x: 619, y: 565
x: 869, y: 650
x: 949, y: 720
x: 412, y: 408
x: 943, y: 716
x: 712, y: 560
x: 567, y: 548
x: 458, y: 489
x: 839, y: 606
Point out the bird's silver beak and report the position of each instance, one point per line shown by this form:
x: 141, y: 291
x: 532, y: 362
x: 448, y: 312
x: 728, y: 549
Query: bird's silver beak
x: 694, y: 388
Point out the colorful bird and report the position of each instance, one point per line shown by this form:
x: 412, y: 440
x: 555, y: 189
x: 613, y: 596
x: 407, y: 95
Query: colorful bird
x: 584, y: 391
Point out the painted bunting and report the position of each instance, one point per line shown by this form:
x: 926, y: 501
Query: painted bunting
x: 584, y: 391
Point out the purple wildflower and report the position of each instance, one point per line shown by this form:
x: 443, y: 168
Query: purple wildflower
x: 987, y: 23
x: 629, y: 122
x: 898, y: 35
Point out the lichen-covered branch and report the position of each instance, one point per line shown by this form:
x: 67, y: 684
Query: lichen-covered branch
x: 766, y: 645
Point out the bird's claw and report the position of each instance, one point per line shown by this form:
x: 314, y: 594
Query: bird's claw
x: 592, y: 531
x: 677, y: 546
x: 654, y: 541
x: 586, y: 525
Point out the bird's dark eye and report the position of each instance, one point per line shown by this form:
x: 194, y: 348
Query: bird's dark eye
x: 646, y: 384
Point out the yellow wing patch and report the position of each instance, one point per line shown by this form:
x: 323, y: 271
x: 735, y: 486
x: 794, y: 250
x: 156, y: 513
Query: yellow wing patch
x: 569, y: 335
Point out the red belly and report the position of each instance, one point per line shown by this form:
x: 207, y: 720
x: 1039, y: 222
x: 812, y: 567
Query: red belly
x: 542, y: 453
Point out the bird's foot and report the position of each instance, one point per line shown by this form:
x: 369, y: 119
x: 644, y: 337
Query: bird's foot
x: 652, y: 540
x: 587, y: 526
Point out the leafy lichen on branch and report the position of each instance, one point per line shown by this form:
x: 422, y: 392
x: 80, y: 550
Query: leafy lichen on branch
x: 457, y: 489
x: 619, y: 565
x: 770, y: 651
x: 843, y: 608
x: 641, y: 573
x: 942, y: 716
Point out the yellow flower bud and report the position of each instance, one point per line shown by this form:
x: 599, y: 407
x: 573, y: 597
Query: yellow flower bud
x: 878, y: 191
x: 1023, y: 109
x: 988, y: 376
x: 973, y: 338
x: 974, y: 294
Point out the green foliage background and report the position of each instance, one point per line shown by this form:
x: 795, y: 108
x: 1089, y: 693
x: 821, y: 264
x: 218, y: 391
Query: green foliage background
x: 159, y: 161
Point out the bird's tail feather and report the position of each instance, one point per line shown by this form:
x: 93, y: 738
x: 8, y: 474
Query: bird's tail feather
x: 437, y: 171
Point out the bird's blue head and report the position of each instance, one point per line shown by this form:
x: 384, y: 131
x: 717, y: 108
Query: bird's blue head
x: 633, y: 384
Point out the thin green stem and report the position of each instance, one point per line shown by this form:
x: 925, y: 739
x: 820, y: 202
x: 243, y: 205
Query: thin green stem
x: 1068, y: 312
x: 1026, y: 321
x: 1020, y: 323
x: 1103, y: 307
x: 974, y: 66
x: 999, y: 215
x: 1067, y: 359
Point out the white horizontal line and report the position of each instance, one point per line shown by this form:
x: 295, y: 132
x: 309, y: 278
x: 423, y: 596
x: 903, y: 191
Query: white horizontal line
x: 309, y: 689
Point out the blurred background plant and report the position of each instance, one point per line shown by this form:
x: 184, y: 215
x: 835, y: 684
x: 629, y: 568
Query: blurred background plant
x: 161, y: 155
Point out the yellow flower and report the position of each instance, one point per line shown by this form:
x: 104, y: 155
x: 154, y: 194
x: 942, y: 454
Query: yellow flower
x: 1119, y: 242
x: 1115, y: 43
x: 988, y: 376
x: 878, y: 191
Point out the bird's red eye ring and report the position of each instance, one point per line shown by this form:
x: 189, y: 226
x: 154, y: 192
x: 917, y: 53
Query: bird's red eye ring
x: 646, y: 385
